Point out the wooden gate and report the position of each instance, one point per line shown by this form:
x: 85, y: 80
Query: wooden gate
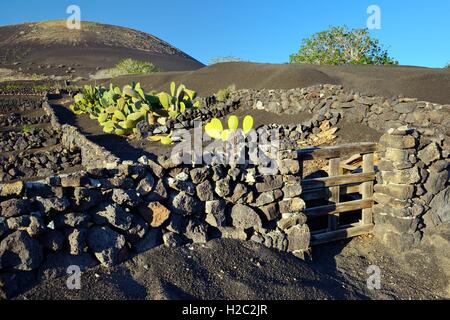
x: 336, y: 186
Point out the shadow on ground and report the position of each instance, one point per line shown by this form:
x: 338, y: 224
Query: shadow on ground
x: 219, y: 269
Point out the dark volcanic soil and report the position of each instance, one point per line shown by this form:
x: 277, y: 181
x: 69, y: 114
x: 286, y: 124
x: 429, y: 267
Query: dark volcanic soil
x: 50, y: 48
x: 350, y: 132
x: 219, y: 269
x: 423, y: 83
x: 231, y: 269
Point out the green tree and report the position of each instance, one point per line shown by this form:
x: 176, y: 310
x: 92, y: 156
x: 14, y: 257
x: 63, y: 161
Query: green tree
x: 340, y: 46
x: 448, y: 65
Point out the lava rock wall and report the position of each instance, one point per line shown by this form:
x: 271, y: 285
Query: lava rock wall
x: 431, y: 120
x: 412, y: 190
x: 106, y: 215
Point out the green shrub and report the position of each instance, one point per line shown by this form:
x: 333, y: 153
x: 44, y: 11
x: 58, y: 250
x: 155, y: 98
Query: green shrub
x: 26, y: 129
x: 11, y: 86
x: 130, y: 66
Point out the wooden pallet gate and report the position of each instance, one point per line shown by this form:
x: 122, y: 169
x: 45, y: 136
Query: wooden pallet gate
x: 340, y: 184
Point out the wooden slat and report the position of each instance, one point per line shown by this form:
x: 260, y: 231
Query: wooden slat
x: 349, y: 167
x: 322, y: 193
x: 338, y: 208
x: 345, y: 226
x: 333, y: 170
x: 337, y: 151
x: 337, y: 180
x: 340, y: 234
x: 354, y: 157
x: 367, y: 188
x: 350, y: 189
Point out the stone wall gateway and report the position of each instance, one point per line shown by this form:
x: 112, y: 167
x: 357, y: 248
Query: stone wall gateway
x: 412, y: 191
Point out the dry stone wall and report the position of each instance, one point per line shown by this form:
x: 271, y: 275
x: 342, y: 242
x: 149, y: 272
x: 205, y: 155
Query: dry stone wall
x: 92, y: 155
x: 29, y: 148
x: 113, y: 213
x: 10, y: 103
x: 327, y: 101
x: 412, y: 191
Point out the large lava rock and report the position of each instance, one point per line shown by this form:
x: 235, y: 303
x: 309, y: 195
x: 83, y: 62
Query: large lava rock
x: 19, y: 251
x: 107, y: 245
x: 440, y: 208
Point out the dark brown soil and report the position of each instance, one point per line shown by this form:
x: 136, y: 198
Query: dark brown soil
x: 96, y: 46
x: 423, y: 83
x: 262, y: 117
x: 219, y: 269
x: 350, y: 132
x: 417, y: 274
x: 231, y: 269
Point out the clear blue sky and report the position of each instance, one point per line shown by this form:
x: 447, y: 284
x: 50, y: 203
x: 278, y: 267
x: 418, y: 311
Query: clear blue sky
x: 416, y: 32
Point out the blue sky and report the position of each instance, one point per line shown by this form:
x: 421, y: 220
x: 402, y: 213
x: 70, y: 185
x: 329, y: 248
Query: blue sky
x: 416, y: 32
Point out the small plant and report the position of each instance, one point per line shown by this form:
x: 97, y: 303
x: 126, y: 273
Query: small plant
x: 11, y: 86
x: 130, y: 66
x: 27, y: 129
x: 223, y: 94
x: 215, y: 129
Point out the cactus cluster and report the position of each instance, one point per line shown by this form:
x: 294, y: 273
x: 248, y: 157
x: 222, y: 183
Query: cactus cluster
x: 119, y: 110
x: 178, y: 100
